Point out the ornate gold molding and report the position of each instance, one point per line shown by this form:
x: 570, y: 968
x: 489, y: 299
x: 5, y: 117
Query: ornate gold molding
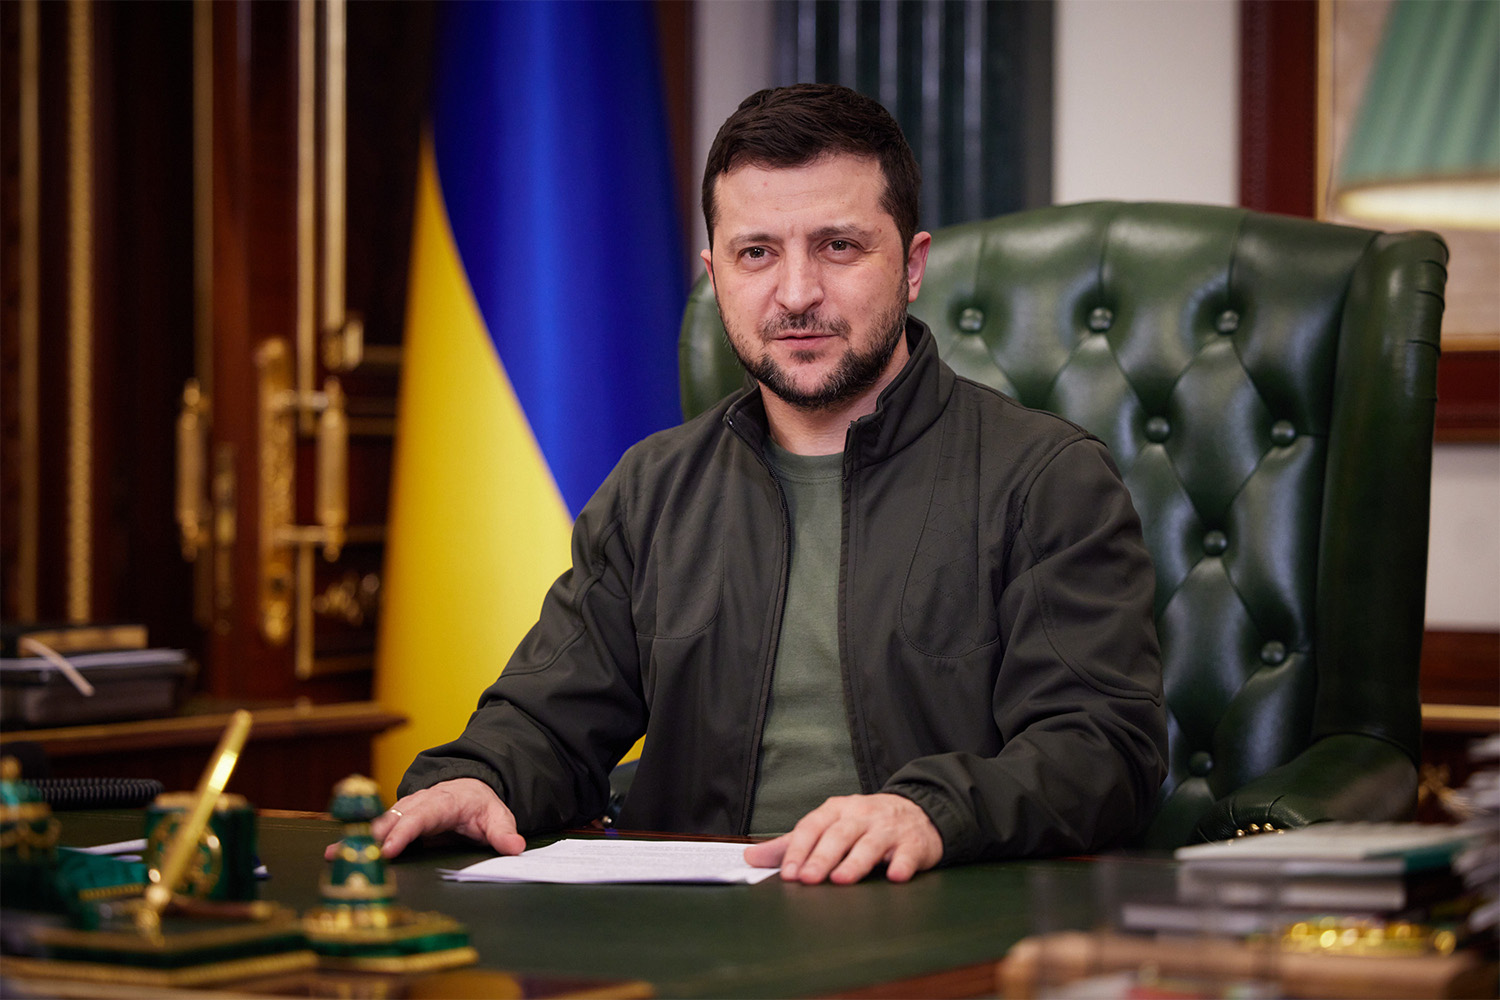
x: 80, y: 310
x: 29, y: 315
x: 351, y: 600
x: 1461, y: 716
x: 277, y: 464
x: 203, y: 195
x: 213, y: 579
x: 307, y: 247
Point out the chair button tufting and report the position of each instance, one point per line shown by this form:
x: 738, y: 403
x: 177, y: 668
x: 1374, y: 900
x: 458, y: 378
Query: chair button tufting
x: 1215, y: 543
x: 1158, y: 429
x: 1256, y: 829
x: 1227, y: 322
x: 1283, y: 433
x: 971, y: 320
x: 1200, y: 764
x: 1273, y: 653
x: 1101, y: 319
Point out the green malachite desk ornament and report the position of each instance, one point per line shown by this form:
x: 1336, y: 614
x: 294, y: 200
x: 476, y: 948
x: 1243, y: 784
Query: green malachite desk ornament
x: 41, y: 878
x: 360, y: 926
x: 223, y: 866
x: 159, y: 938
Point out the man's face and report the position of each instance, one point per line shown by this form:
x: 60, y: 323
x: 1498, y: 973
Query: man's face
x: 810, y: 277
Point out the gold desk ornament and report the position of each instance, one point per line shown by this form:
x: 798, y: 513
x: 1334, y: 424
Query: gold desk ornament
x: 41, y: 878
x: 223, y: 866
x: 160, y: 939
x: 28, y: 830
x: 28, y: 845
x: 1331, y: 936
x: 360, y: 926
x: 183, y: 847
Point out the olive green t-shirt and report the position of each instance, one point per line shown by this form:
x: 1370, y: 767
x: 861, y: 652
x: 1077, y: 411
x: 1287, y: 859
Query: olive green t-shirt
x: 806, y: 753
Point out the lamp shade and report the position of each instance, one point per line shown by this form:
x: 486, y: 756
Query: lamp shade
x: 1425, y: 148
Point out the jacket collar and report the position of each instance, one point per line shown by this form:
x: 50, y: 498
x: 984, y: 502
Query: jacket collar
x: 904, y: 410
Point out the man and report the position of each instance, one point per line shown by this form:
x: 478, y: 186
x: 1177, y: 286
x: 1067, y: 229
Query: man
x: 889, y: 616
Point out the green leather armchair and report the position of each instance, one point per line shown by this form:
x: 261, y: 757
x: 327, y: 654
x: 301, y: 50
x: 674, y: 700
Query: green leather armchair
x: 1267, y: 387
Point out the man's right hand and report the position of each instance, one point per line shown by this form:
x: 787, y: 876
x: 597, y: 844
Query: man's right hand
x: 464, y: 805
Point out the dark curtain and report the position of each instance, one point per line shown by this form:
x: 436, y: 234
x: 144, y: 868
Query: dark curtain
x: 969, y: 81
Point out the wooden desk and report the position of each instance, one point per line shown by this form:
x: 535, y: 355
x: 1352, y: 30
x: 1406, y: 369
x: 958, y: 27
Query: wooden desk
x: 941, y: 935
x: 766, y: 940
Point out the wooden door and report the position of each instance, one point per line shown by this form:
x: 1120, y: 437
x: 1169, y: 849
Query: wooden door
x: 286, y: 429
x: 206, y: 214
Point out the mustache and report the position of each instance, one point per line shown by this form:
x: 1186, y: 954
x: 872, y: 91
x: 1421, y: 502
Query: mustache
x: 804, y: 323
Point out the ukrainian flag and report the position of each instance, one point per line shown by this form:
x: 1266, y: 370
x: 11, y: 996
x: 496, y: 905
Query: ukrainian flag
x: 548, y: 280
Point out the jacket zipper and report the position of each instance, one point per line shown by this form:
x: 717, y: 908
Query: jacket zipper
x: 851, y: 713
x: 768, y: 662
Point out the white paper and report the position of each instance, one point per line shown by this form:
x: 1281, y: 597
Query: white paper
x: 111, y: 660
x: 1352, y: 841
x: 132, y: 850
x: 616, y: 860
x: 119, y: 847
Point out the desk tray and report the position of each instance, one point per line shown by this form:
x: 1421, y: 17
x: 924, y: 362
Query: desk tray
x: 128, y: 684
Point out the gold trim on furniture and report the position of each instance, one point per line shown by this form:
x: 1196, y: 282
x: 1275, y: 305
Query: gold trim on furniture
x: 307, y: 245
x: 343, y: 333
x: 351, y: 600
x: 280, y: 409
x: 278, y: 455
x: 29, y: 315
x: 203, y: 194
x: 1461, y: 717
x: 212, y: 593
x: 192, y: 470
x: 203, y: 730
x: 225, y: 512
x: 80, y: 310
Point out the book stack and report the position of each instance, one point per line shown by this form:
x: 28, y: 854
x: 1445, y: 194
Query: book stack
x: 59, y: 675
x: 1479, y: 800
x: 1359, y: 881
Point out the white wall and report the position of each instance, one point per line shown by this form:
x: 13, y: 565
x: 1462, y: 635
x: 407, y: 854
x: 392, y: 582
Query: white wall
x: 733, y: 60
x: 1463, y: 578
x: 1146, y: 94
x: 1147, y: 108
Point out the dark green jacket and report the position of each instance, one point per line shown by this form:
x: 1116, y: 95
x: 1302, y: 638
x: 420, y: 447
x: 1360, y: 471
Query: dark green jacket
x: 1000, y: 662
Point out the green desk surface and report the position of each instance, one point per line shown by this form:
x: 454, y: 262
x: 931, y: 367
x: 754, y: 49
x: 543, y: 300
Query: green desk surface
x: 771, y: 939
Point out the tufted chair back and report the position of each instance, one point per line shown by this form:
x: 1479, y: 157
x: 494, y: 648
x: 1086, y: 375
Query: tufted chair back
x: 1267, y: 386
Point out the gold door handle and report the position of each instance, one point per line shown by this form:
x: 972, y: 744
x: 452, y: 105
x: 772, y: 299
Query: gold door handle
x: 281, y: 537
x: 344, y: 344
x: 192, y: 469
x: 333, y: 469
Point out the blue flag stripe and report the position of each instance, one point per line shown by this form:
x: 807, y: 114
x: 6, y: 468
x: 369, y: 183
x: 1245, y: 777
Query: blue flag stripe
x: 553, y: 152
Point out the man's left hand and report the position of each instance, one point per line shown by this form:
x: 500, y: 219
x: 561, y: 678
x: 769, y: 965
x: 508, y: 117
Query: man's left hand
x: 847, y: 836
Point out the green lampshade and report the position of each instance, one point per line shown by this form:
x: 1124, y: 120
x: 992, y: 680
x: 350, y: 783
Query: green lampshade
x: 1425, y: 149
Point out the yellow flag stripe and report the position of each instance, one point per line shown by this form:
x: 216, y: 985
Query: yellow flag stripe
x: 478, y: 528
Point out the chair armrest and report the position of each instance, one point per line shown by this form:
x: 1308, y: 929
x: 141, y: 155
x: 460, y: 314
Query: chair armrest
x: 1348, y: 777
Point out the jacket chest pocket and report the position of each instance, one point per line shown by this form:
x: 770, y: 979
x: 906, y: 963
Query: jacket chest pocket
x: 946, y: 609
x: 681, y: 583
x: 948, y: 605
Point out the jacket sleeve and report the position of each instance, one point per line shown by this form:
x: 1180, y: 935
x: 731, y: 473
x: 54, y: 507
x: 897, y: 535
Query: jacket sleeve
x: 1078, y: 692
x: 568, y: 703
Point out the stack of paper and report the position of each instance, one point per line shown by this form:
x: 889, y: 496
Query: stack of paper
x: 1367, y: 873
x: 617, y: 859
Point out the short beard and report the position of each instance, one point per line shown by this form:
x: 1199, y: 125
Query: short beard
x: 856, y: 371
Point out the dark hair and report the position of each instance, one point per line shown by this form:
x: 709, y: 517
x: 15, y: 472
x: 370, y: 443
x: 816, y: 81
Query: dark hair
x: 792, y: 126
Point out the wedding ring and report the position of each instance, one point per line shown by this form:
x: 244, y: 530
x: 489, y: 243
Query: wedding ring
x: 398, y: 812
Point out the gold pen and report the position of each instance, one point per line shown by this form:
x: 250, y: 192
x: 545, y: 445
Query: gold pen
x: 185, y: 842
